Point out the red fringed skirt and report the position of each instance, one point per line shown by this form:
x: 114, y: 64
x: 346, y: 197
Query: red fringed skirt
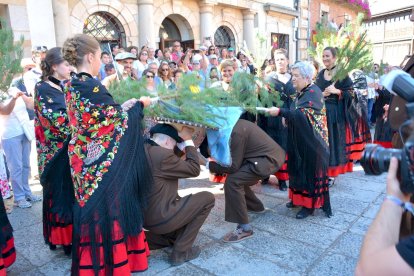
x: 8, y: 256
x: 130, y: 255
x: 302, y: 198
x: 282, y: 173
x: 55, y: 230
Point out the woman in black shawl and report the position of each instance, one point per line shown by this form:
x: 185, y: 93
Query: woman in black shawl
x: 337, y: 95
x: 110, y: 172
x: 7, y: 250
x: 308, y: 147
x: 383, y: 132
x: 275, y: 127
x: 52, y: 130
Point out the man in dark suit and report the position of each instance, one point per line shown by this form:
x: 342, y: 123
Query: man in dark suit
x: 173, y: 220
x: 255, y: 156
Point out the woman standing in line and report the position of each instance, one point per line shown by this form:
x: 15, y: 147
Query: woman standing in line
x: 110, y: 171
x: 52, y: 130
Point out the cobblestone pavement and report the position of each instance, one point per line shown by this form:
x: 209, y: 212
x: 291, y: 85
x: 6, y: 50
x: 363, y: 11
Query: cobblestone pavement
x: 282, y: 245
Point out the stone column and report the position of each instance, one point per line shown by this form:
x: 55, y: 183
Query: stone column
x: 248, y: 29
x: 146, y: 23
x: 41, y: 23
x: 62, y: 23
x: 206, y: 21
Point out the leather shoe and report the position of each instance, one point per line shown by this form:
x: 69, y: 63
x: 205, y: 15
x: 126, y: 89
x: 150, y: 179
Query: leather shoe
x: 178, y: 258
x: 290, y: 205
x: 304, y: 213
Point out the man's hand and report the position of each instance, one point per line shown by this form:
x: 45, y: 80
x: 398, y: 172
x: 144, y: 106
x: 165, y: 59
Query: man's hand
x: 393, y: 185
x: 186, y: 133
x: 274, y: 111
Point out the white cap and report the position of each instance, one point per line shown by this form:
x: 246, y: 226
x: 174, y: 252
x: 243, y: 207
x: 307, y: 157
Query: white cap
x: 212, y: 56
x: 204, y: 48
x: 125, y: 55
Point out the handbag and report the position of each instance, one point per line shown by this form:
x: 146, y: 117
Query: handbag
x: 26, y: 124
x: 28, y: 129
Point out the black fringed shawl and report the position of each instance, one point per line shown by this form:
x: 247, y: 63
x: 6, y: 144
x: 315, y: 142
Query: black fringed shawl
x: 52, y: 132
x: 109, y: 167
x: 308, y: 148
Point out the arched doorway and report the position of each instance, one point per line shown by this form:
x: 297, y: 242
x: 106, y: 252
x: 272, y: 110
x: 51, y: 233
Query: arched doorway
x: 224, y: 38
x: 175, y: 28
x: 106, y: 28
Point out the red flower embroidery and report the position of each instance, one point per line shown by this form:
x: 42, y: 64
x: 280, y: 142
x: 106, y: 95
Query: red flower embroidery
x: 71, y: 148
x: 311, y: 90
x: 40, y: 135
x: 105, y: 130
x: 86, y: 117
x: 105, y: 144
x: 61, y: 120
x: 76, y: 163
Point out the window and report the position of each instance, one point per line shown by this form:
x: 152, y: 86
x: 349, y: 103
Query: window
x: 106, y: 29
x: 324, y: 16
x: 224, y: 38
x: 279, y: 41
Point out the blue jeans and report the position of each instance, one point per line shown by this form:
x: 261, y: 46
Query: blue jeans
x: 17, y: 151
x: 370, y: 106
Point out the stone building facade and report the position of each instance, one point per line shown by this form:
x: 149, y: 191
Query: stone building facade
x: 156, y: 22
x: 392, y: 32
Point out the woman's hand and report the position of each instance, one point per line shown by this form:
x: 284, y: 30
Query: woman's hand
x: 129, y: 104
x: 146, y: 101
x: 332, y: 90
x: 274, y: 111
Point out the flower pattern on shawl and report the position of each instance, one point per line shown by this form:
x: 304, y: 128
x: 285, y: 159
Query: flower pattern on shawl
x: 318, y: 122
x: 51, y: 122
x: 96, y: 125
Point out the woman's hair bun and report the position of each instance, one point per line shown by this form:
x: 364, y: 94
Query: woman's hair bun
x: 76, y: 47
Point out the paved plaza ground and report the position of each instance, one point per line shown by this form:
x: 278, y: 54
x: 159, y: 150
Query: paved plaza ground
x: 282, y: 245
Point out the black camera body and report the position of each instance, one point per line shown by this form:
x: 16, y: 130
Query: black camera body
x: 376, y: 159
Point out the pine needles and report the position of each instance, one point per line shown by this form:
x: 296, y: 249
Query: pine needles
x: 10, y: 56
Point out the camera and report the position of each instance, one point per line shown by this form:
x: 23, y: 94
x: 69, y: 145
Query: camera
x: 376, y: 159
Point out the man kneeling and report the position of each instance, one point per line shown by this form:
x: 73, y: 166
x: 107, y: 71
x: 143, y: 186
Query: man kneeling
x: 254, y: 157
x: 173, y: 220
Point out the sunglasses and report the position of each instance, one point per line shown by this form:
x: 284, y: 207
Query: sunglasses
x: 176, y: 45
x: 212, y: 49
x: 149, y: 76
x: 165, y: 69
x: 144, y: 54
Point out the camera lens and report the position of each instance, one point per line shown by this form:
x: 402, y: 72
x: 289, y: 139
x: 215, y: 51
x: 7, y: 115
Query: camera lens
x: 376, y: 159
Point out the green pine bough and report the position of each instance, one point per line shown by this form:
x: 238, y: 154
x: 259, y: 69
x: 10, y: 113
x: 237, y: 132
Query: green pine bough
x: 11, y: 53
x: 187, y: 102
x: 354, y: 49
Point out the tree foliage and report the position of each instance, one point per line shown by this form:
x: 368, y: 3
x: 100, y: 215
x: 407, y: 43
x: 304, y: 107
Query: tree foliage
x: 11, y: 53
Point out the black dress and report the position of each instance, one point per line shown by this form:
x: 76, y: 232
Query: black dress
x: 337, y: 124
x: 273, y: 126
x: 308, y: 150
x: 383, y: 131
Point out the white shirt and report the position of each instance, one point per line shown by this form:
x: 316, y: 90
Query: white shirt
x: 139, y: 67
x: 30, y: 79
x: 10, y: 125
x: 371, y: 90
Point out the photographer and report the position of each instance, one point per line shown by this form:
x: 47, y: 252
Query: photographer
x: 382, y: 253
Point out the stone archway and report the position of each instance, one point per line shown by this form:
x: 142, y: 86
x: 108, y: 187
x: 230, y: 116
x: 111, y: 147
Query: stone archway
x: 186, y: 20
x: 176, y: 27
x: 84, y: 8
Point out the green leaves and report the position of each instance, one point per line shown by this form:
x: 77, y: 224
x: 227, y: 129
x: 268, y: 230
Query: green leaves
x: 354, y: 50
x: 190, y: 104
x: 11, y: 53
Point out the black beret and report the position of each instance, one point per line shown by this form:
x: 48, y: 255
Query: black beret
x: 167, y: 130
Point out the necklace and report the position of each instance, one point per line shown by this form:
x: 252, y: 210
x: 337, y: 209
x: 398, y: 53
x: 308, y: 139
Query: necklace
x: 330, y: 71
